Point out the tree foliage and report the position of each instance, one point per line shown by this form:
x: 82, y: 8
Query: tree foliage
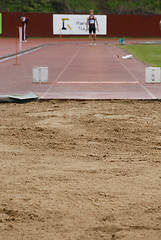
x: 83, y: 6
x: 27, y: 5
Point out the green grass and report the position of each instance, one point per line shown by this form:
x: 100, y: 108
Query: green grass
x: 150, y: 54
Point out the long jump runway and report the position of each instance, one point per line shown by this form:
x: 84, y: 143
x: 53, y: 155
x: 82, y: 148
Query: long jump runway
x: 78, y: 71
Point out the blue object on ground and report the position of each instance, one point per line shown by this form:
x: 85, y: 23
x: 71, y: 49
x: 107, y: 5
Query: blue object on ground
x: 121, y: 41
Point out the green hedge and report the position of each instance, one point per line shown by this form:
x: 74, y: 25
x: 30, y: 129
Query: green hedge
x: 83, y: 6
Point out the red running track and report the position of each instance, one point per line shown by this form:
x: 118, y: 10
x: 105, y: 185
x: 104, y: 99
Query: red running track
x: 78, y: 71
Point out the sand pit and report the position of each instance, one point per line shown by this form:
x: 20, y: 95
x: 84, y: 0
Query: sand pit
x: 80, y: 170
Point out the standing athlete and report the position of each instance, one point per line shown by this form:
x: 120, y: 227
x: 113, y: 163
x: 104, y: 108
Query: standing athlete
x: 24, y: 21
x: 91, y: 23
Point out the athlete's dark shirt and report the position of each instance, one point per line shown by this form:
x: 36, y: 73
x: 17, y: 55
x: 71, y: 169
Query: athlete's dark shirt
x: 92, y: 21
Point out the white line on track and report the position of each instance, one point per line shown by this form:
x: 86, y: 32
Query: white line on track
x: 142, y: 86
x: 148, y: 92
x: 20, y: 54
x: 85, y: 82
x: 61, y: 73
x: 135, y: 78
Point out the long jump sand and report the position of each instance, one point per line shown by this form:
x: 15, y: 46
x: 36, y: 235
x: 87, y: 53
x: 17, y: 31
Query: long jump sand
x: 80, y: 170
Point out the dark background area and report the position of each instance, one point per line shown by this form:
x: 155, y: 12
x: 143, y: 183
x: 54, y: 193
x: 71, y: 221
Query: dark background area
x: 41, y: 25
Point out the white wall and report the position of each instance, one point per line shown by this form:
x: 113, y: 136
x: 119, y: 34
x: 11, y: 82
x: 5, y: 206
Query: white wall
x: 76, y: 24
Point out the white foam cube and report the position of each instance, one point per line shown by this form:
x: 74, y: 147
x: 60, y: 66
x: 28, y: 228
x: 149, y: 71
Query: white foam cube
x: 35, y: 74
x: 152, y: 75
x: 40, y: 74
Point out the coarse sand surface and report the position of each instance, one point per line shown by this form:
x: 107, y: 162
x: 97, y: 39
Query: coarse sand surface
x: 80, y: 170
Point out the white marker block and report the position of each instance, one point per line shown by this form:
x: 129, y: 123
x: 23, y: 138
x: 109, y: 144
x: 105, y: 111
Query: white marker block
x: 152, y: 75
x: 40, y: 74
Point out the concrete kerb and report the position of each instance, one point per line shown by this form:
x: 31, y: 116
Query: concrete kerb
x: 24, y: 51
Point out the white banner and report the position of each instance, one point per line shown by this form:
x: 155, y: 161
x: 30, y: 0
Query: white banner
x: 68, y: 24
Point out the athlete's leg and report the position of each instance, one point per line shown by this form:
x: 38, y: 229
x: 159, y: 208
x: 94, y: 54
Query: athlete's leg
x: 23, y: 33
x: 94, y: 35
x: 90, y: 38
x: 26, y: 33
x: 94, y: 39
